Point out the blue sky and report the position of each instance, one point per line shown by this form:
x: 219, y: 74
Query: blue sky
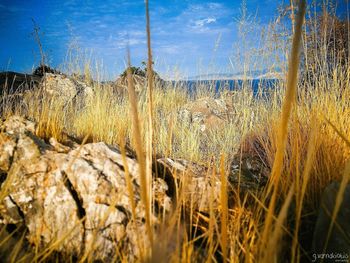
x: 187, y: 36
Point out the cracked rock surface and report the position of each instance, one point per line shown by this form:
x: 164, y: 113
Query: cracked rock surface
x: 66, y: 89
x: 75, y: 194
x: 196, y: 181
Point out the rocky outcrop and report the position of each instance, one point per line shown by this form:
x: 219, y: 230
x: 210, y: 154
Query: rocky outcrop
x: 200, y: 186
x: 139, y: 77
x: 74, y: 194
x: 207, y: 113
x: 15, y: 83
x: 15, y: 86
x: 78, y: 195
x: 67, y: 89
x: 120, y: 86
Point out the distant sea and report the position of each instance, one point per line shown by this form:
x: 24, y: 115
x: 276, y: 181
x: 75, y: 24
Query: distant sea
x: 257, y: 85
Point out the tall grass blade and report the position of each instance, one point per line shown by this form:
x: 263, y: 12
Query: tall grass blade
x: 150, y: 143
x: 288, y: 102
x: 139, y: 150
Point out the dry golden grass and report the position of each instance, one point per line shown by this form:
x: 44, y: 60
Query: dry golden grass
x: 315, y: 155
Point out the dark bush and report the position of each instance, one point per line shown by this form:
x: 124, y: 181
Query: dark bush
x: 42, y: 69
x: 134, y: 71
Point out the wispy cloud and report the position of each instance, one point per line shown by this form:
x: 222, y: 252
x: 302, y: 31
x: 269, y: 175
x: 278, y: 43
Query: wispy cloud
x: 202, y: 19
x: 202, y: 22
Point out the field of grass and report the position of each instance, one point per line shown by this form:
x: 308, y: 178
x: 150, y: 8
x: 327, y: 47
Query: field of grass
x: 303, y: 131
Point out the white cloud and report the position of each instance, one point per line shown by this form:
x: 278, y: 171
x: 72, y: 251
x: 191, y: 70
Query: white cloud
x: 215, y: 5
x: 202, y: 22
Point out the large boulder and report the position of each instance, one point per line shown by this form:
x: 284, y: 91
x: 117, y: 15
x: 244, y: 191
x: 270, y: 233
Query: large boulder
x: 51, y: 84
x: 140, y: 83
x: 15, y: 83
x: 75, y: 195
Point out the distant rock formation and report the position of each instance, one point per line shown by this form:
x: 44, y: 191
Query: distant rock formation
x: 207, y: 113
x: 65, y: 88
x: 140, y: 79
x: 13, y: 86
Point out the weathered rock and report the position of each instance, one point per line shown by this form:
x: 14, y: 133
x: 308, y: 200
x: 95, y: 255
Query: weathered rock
x: 207, y: 113
x: 139, y: 82
x: 200, y: 186
x: 75, y: 195
x: 338, y: 246
x: 66, y: 89
x: 61, y: 88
